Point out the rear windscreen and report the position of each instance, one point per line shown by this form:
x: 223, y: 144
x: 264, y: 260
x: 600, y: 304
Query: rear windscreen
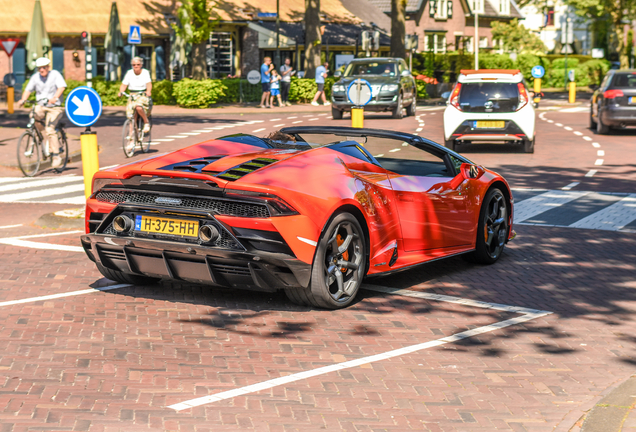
x: 489, y: 97
x: 624, y: 81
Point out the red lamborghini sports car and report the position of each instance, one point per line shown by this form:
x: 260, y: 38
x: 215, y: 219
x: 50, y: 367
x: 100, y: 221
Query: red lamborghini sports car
x: 310, y: 210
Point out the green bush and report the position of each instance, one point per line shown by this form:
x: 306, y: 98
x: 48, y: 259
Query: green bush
x: 495, y: 61
x: 198, y: 94
x: 302, y: 89
x: 421, y: 89
x: 163, y: 93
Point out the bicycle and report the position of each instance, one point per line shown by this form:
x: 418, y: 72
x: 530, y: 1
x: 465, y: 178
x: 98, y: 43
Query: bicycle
x: 130, y: 141
x: 33, y: 149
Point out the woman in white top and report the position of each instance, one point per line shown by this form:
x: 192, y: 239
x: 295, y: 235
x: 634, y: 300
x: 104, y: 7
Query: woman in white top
x: 138, y: 80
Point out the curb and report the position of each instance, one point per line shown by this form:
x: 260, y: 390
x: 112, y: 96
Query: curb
x: 609, y: 414
x: 55, y: 220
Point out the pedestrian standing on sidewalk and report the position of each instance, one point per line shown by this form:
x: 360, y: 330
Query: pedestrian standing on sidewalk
x: 48, y: 85
x: 286, y: 72
x: 266, y: 69
x: 321, y: 74
x: 275, y: 89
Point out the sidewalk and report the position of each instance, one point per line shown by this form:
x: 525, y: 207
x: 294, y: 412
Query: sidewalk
x: 615, y: 412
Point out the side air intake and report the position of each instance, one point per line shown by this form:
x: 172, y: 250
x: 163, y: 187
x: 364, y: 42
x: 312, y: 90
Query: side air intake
x: 245, y: 168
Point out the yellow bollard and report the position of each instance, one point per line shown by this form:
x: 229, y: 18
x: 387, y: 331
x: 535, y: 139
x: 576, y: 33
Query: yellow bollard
x: 10, y: 98
x: 90, y: 160
x: 537, y: 85
x: 572, y: 95
x: 357, y: 117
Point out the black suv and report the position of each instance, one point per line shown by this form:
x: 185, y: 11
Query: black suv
x: 614, y: 102
x: 393, y: 87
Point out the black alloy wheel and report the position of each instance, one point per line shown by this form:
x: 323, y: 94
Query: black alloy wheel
x: 340, y: 264
x: 492, y: 231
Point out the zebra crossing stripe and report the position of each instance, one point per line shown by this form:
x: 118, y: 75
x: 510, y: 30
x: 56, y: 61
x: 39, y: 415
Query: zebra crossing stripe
x: 33, y: 183
x: 613, y: 217
x: 45, y: 193
x: 538, y: 204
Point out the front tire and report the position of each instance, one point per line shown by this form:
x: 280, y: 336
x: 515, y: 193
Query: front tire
x: 128, y: 141
x: 492, y: 230
x: 398, y: 111
x: 340, y: 263
x: 528, y: 145
x: 336, y: 113
x: 121, y: 277
x: 28, y: 154
x: 411, y: 109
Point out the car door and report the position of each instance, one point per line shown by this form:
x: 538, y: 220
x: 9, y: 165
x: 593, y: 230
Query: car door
x: 406, y: 82
x: 433, y: 214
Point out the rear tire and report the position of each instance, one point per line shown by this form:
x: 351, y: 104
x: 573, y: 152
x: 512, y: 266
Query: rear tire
x: 492, y: 230
x: 601, y: 128
x: 398, y: 111
x: 528, y: 145
x: 336, y: 113
x: 29, y: 165
x: 411, y: 109
x: 341, y: 247
x: 121, y: 277
x: 128, y: 139
x: 592, y: 122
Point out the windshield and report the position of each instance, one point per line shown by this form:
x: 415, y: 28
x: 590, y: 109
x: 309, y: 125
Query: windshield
x: 625, y: 81
x: 489, y: 97
x: 370, y: 68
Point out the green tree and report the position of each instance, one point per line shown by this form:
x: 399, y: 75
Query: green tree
x: 398, y: 28
x: 313, y: 37
x: 516, y: 38
x: 196, y: 24
x: 618, y: 12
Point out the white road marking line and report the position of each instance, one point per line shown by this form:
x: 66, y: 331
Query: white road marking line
x: 405, y: 144
x: 395, y: 150
x: 36, y: 245
x: 258, y: 130
x: 293, y: 117
x: 567, y: 128
x: 613, y: 217
x: 312, y: 119
x: 279, y: 125
x: 297, y: 121
x: 571, y: 185
x: 526, y: 315
x: 310, y: 115
x: 165, y: 140
x: 541, y: 116
x: 591, y: 173
x: 540, y: 203
x: 558, y: 124
x: 10, y: 226
x: 577, y: 133
x: 597, y: 145
x: 41, y: 193
x: 177, y: 136
x: 62, y: 295
x: 44, y: 235
x: 41, y: 182
x: 202, y: 131
x: 416, y: 130
x: 600, y: 153
x: 433, y: 113
x: 190, y: 133
x: 154, y: 143
x: 275, y: 119
x: 587, y: 138
x: 79, y: 200
x: 598, y: 162
x: 379, y: 155
x: 322, y: 114
x: 550, y: 121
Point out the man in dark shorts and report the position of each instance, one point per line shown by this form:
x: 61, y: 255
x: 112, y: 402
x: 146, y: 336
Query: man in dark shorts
x: 266, y: 68
x: 321, y: 74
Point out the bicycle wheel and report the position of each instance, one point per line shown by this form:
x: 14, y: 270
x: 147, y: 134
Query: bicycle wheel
x: 144, y: 138
x: 28, y: 154
x: 128, y: 139
x: 63, y: 151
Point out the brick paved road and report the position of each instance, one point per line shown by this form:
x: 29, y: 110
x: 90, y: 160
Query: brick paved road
x: 116, y: 359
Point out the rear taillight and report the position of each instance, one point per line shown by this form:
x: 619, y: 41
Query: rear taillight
x: 454, y: 97
x: 523, y: 96
x: 611, y: 94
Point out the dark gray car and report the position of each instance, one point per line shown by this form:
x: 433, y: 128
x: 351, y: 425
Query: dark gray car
x: 393, y: 86
x: 614, y: 102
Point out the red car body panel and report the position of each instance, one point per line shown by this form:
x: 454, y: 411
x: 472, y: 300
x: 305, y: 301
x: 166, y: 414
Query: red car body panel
x: 423, y: 218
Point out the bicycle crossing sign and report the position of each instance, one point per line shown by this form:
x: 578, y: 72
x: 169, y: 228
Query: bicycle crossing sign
x: 134, y: 35
x: 538, y: 71
x: 83, y: 106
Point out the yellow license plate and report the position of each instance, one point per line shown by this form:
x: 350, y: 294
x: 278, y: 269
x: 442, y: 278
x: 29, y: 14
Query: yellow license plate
x: 490, y: 124
x: 159, y: 225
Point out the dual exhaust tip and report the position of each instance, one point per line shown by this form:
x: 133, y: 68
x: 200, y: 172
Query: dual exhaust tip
x: 207, y: 233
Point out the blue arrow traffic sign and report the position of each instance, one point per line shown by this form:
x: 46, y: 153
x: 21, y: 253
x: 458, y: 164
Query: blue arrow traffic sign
x: 134, y: 35
x: 538, y: 71
x: 83, y: 106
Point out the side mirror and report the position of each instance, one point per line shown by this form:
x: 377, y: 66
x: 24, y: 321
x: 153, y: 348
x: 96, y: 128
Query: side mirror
x: 470, y: 171
x: 406, y: 73
x: 337, y: 74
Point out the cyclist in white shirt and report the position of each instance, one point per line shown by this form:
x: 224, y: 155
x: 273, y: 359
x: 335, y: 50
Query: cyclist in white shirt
x: 137, y: 80
x: 48, y: 84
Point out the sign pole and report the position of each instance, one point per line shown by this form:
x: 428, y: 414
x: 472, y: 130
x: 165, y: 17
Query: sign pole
x: 10, y: 90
